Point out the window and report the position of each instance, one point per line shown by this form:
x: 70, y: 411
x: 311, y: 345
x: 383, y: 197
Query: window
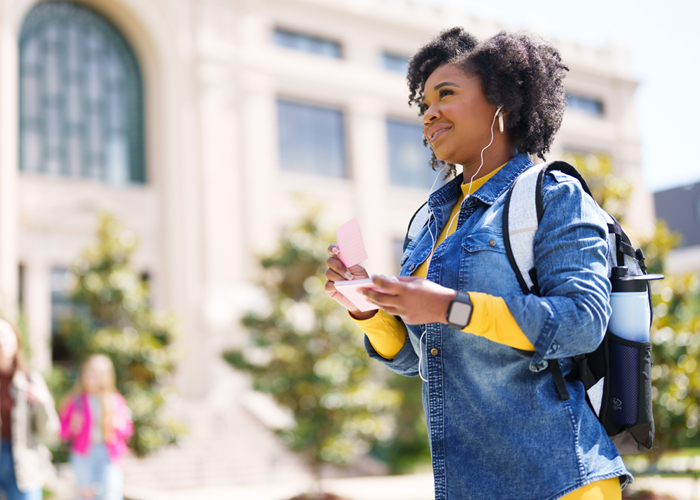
x: 408, y: 158
x: 311, y: 139
x: 61, y: 307
x: 81, y: 109
x: 307, y: 43
x: 586, y: 104
x: 393, y: 62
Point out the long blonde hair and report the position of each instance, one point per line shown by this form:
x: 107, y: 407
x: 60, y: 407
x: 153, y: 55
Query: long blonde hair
x: 108, y: 382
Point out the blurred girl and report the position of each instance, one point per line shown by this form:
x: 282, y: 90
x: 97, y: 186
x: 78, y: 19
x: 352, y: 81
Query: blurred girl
x: 27, y: 417
x: 97, y: 422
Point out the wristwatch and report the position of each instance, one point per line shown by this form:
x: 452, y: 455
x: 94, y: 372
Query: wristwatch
x: 459, y: 312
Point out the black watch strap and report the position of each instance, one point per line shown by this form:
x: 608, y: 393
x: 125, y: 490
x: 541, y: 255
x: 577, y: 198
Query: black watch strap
x: 459, y: 312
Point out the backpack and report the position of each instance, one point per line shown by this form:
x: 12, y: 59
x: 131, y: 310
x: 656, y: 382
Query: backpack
x: 598, y: 372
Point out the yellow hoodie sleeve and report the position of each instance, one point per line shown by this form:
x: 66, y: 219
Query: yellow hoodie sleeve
x: 492, y: 319
x: 386, y: 333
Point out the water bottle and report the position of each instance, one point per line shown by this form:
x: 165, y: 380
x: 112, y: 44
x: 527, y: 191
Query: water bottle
x: 630, y: 321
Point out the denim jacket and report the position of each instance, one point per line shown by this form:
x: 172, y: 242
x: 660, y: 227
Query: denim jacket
x: 497, y: 427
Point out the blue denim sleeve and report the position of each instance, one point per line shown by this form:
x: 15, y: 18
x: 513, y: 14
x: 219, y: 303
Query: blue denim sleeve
x: 571, y: 314
x: 404, y: 363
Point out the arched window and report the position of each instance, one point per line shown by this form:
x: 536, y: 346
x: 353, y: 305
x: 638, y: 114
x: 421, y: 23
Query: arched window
x: 81, y: 97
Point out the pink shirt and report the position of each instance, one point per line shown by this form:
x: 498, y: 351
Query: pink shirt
x: 117, y: 447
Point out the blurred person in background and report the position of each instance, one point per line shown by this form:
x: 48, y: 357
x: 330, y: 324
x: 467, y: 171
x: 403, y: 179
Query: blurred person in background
x: 97, y: 422
x: 497, y: 425
x: 27, y: 420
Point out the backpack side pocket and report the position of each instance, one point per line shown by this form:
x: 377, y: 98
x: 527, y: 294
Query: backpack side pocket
x: 628, y: 416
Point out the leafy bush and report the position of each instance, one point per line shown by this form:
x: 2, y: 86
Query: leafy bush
x: 306, y: 353
x: 112, y: 315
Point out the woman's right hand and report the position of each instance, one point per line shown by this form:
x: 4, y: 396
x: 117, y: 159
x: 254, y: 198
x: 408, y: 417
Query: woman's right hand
x: 338, y: 272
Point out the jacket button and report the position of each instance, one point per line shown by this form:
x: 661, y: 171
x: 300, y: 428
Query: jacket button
x: 492, y: 243
x: 411, y: 267
x: 434, y: 351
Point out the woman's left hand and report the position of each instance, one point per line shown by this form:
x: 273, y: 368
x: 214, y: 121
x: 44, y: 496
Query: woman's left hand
x: 415, y: 300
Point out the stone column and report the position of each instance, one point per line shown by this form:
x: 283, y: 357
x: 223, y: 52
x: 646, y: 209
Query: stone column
x: 258, y: 112
x: 37, y: 309
x: 368, y: 169
x: 9, y: 274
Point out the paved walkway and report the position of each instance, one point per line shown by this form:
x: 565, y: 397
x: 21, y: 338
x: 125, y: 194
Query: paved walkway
x: 412, y: 487
x: 681, y: 488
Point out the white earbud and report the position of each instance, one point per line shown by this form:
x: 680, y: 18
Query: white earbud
x: 499, y: 114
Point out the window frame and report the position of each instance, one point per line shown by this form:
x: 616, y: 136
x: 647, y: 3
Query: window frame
x: 346, y: 172
x: 580, y: 97
x: 388, y: 54
x: 312, y: 37
x: 45, y: 16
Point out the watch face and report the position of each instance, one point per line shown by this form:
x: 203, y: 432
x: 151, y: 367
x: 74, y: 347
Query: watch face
x: 460, y: 313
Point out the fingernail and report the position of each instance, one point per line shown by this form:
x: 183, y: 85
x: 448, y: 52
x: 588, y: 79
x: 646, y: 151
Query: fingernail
x: 348, y: 275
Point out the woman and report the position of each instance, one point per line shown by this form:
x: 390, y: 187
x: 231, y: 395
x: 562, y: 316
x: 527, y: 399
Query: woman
x: 457, y: 317
x: 27, y: 419
x: 97, y: 422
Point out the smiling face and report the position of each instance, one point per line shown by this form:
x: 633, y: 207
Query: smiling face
x: 457, y: 120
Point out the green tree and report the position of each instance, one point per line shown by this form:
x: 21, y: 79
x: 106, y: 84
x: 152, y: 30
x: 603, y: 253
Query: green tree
x: 112, y: 315
x: 675, y: 337
x: 308, y: 355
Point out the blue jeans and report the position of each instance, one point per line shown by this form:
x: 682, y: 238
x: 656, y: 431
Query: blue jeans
x: 8, y: 481
x: 94, y: 470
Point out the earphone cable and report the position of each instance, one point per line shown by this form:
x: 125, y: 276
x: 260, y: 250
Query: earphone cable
x: 433, y: 240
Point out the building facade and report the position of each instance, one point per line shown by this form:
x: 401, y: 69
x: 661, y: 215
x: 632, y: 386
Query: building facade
x: 680, y: 208
x: 197, y: 123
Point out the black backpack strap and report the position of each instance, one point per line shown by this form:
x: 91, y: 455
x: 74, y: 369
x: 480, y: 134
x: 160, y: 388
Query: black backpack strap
x: 563, y: 167
x: 583, y: 372
x: 623, y: 245
x: 559, y: 383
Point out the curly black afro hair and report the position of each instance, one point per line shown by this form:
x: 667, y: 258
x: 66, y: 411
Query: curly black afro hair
x: 519, y: 72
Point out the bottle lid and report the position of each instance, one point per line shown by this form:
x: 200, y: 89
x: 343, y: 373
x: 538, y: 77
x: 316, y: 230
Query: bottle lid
x: 623, y: 282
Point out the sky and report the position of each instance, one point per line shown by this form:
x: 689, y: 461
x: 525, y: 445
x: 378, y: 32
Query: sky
x: 664, y: 40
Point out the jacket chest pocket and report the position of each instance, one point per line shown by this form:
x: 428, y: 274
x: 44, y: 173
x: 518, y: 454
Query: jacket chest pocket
x: 484, y: 265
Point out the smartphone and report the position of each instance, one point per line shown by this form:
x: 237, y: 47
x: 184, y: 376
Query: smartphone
x: 350, y: 289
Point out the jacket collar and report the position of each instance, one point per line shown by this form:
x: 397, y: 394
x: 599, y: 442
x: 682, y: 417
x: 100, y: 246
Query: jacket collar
x: 489, y: 192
